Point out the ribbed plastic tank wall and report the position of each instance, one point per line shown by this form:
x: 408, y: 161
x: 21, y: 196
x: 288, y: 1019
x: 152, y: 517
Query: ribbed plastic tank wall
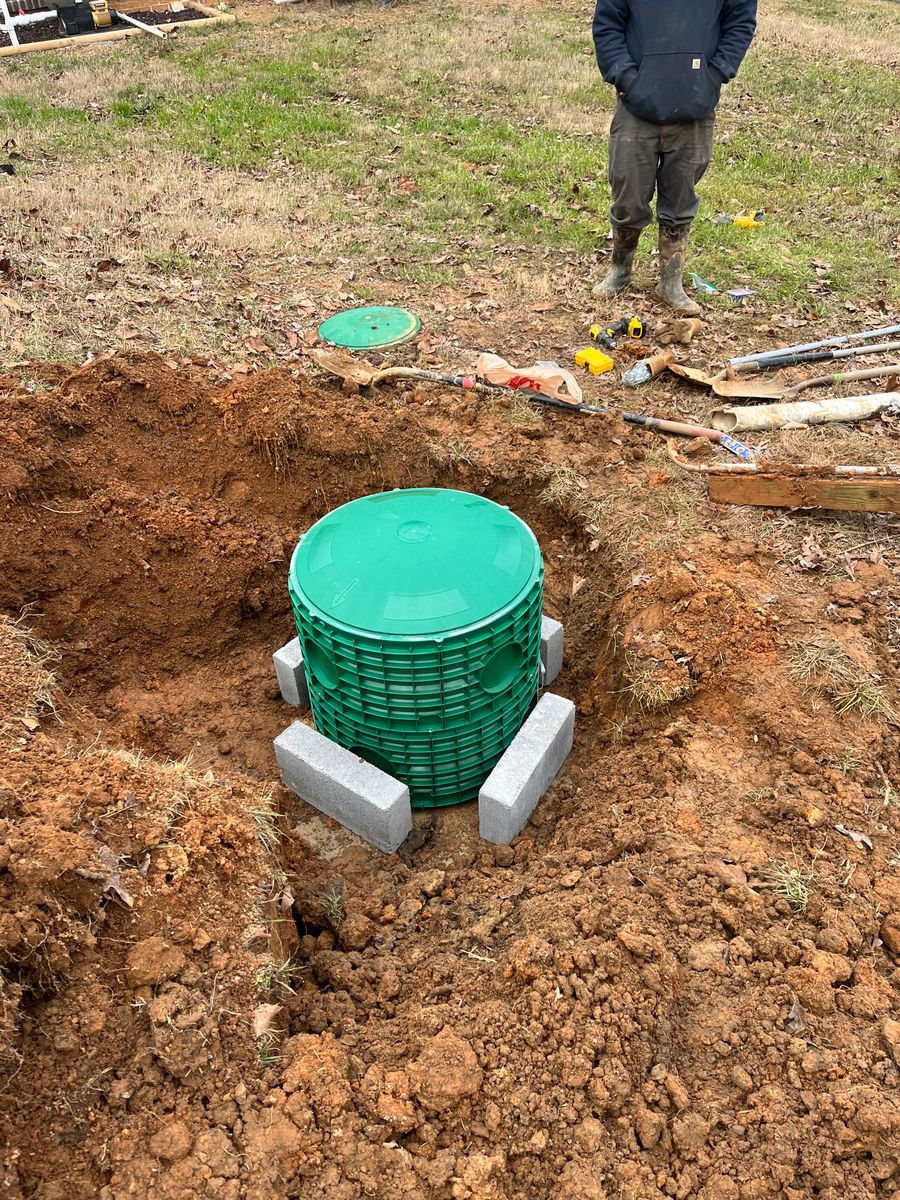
x: 419, y: 617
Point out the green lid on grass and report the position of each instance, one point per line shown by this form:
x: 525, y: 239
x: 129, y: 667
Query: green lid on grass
x: 372, y: 328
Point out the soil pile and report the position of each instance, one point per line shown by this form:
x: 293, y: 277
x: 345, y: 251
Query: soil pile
x: 682, y: 979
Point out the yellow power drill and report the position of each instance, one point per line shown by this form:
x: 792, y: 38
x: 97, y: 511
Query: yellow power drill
x: 606, y: 335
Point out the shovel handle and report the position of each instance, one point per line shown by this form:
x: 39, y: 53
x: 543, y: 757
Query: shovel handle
x: 714, y: 435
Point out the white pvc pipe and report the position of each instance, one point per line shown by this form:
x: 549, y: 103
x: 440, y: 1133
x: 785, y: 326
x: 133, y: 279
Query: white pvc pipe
x: 745, y: 418
x: 140, y: 24
x: 765, y: 355
x: 8, y: 25
x: 35, y: 18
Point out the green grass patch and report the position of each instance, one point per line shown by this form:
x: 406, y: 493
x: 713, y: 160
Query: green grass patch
x: 440, y: 155
x: 411, y: 130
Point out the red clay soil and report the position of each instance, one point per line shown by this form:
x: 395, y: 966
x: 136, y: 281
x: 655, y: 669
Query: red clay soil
x: 637, y: 999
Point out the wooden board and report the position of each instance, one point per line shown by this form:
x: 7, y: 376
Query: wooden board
x: 116, y: 35
x: 774, y: 491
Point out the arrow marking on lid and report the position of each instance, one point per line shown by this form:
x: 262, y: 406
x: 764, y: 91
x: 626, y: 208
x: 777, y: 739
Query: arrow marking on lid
x: 342, y: 596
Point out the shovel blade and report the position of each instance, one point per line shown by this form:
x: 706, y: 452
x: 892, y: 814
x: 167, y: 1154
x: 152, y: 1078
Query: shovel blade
x: 748, y: 389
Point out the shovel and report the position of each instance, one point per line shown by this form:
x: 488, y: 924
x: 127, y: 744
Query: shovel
x: 745, y: 387
x: 363, y: 374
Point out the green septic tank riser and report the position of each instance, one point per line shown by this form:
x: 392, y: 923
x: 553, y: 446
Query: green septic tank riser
x: 419, y: 616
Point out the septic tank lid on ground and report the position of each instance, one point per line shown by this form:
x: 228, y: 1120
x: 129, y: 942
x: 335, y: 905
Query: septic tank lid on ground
x: 415, y: 561
x: 372, y: 328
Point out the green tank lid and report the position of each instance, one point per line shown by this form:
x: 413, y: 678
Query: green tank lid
x: 416, y: 561
x: 372, y: 328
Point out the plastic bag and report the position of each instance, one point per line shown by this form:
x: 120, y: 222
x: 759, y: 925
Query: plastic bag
x: 552, y: 381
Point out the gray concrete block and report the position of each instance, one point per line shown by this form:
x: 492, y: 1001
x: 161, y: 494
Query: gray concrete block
x: 551, y: 650
x: 510, y: 793
x: 291, y: 674
x: 341, y: 785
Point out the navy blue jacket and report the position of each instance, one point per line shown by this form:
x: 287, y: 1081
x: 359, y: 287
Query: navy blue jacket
x: 669, y: 58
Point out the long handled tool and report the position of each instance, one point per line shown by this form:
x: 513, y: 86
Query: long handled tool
x: 796, y: 360
x: 715, y: 435
x: 490, y: 389
x: 866, y: 335
x: 363, y: 374
x: 842, y: 377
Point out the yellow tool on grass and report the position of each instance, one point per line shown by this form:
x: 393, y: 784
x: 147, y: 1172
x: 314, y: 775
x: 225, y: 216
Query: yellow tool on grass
x: 595, y: 360
x: 606, y: 335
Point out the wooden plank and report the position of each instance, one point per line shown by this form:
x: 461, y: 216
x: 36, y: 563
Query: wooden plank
x: 132, y: 6
x: 774, y: 491
x: 115, y: 35
x: 206, y: 8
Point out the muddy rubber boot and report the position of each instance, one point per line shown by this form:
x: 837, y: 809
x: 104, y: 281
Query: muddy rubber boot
x: 673, y: 240
x: 624, y: 245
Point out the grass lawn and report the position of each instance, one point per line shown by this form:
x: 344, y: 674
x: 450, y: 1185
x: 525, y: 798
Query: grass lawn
x: 219, y: 193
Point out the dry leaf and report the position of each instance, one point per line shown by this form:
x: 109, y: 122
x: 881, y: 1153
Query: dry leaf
x: 107, y: 873
x: 729, y: 873
x: 811, y: 554
x: 858, y: 839
x: 263, y: 1016
x: 693, y: 374
x: 13, y: 305
x: 578, y: 582
x: 796, y: 1021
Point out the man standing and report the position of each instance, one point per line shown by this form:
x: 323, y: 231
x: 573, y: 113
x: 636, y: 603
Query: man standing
x: 667, y: 60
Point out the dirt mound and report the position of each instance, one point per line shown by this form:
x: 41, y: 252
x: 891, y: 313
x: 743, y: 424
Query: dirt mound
x: 682, y: 980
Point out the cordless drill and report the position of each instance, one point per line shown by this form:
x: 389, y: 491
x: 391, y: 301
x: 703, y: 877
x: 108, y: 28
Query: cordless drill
x: 606, y: 335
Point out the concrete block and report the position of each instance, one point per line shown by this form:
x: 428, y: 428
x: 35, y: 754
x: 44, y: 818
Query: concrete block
x: 551, y: 650
x: 341, y: 785
x: 291, y: 674
x: 510, y: 793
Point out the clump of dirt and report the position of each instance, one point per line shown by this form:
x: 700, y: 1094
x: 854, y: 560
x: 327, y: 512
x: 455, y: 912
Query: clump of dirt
x: 681, y: 980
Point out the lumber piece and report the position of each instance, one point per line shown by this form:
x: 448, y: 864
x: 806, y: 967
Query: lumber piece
x: 81, y: 39
x: 776, y: 491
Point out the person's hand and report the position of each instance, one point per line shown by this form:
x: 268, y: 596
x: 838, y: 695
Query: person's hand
x: 625, y: 81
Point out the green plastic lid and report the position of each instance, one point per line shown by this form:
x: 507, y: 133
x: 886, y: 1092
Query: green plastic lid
x: 372, y: 328
x: 419, y: 561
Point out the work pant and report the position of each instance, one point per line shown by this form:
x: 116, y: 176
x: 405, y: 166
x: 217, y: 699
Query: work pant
x: 667, y: 159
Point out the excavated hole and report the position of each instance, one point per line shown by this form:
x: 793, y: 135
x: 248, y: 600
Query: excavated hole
x: 152, y: 544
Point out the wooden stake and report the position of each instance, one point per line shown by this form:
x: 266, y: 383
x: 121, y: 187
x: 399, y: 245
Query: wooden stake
x: 774, y: 491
